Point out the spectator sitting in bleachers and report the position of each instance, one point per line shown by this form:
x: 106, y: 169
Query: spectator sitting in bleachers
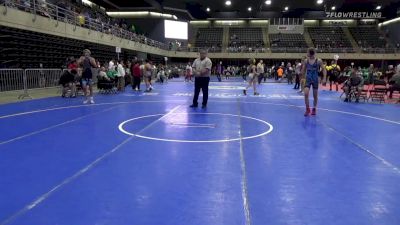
x: 67, y: 82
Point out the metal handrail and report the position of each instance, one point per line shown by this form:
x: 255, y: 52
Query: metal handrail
x: 64, y: 15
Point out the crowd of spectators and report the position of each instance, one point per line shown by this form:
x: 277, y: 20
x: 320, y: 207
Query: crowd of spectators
x: 235, y: 45
x: 92, y: 17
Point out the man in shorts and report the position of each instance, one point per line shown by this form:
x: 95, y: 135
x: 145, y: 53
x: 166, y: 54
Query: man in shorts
x: 310, y: 69
x: 87, y: 63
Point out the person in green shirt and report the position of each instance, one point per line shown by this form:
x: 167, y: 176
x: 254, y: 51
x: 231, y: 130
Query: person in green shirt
x: 112, y: 74
x: 355, y: 82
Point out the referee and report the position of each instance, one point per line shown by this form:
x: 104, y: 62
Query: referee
x: 201, y: 70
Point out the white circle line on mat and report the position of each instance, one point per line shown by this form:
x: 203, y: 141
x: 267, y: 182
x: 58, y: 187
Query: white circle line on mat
x: 270, y: 129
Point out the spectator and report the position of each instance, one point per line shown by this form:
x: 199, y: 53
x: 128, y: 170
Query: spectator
x: 389, y: 73
x: 189, y: 72
x: 72, y: 64
x: 111, y: 65
x: 121, y: 76
x: 289, y: 73
x: 298, y: 74
x: 103, y: 74
x: 371, y: 71
x: 161, y: 75
x: 67, y: 82
x: 280, y: 73
x: 260, y: 70
x: 128, y: 77
x: 112, y: 74
x: 355, y: 82
x: 394, y: 82
x: 136, y: 74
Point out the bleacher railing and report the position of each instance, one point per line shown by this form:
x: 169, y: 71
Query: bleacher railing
x: 57, y: 13
x: 42, y: 8
x: 11, y: 79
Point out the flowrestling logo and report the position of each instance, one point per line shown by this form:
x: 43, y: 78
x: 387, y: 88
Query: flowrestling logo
x: 354, y: 15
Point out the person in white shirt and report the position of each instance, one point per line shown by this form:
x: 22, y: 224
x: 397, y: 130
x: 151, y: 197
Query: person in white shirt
x: 289, y: 73
x: 111, y: 65
x: 103, y: 74
x: 260, y: 70
x: 189, y: 72
x: 161, y: 75
x: 202, y: 70
x: 121, y: 76
x: 228, y: 72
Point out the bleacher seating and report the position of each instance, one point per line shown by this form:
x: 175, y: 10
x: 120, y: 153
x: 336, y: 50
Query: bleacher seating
x: 330, y: 39
x: 249, y: 37
x: 368, y: 37
x: 287, y: 42
x: 209, y: 38
x: 27, y: 49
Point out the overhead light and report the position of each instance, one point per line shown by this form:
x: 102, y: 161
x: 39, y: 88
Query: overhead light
x: 208, y: 9
x: 333, y: 8
x: 229, y: 22
x: 249, y: 9
x: 87, y: 2
x: 228, y: 3
x: 319, y: 2
x: 259, y: 21
x: 268, y: 2
x: 286, y: 8
x: 378, y: 7
x: 136, y: 13
x: 390, y: 21
x: 199, y: 22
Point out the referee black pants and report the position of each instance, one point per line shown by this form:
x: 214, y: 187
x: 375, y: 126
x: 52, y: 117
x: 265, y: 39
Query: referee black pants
x: 201, y: 83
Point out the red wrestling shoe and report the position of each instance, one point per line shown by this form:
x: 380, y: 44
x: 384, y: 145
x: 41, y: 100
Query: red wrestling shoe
x: 307, y: 113
x: 314, y: 112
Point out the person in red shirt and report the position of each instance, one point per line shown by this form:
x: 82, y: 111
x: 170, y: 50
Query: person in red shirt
x: 72, y: 65
x: 136, y: 74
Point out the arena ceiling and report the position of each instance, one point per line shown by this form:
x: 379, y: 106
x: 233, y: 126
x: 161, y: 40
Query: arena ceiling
x: 197, y: 9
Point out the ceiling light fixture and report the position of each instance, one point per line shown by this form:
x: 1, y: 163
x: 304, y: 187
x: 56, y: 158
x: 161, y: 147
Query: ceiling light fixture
x: 249, y: 9
x: 228, y: 3
x: 286, y: 8
x: 208, y: 9
x: 378, y: 7
x: 333, y: 8
x: 319, y: 2
x: 268, y: 2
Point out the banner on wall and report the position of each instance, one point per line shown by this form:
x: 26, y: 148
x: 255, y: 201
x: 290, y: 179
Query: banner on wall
x: 355, y: 15
x: 286, y: 27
